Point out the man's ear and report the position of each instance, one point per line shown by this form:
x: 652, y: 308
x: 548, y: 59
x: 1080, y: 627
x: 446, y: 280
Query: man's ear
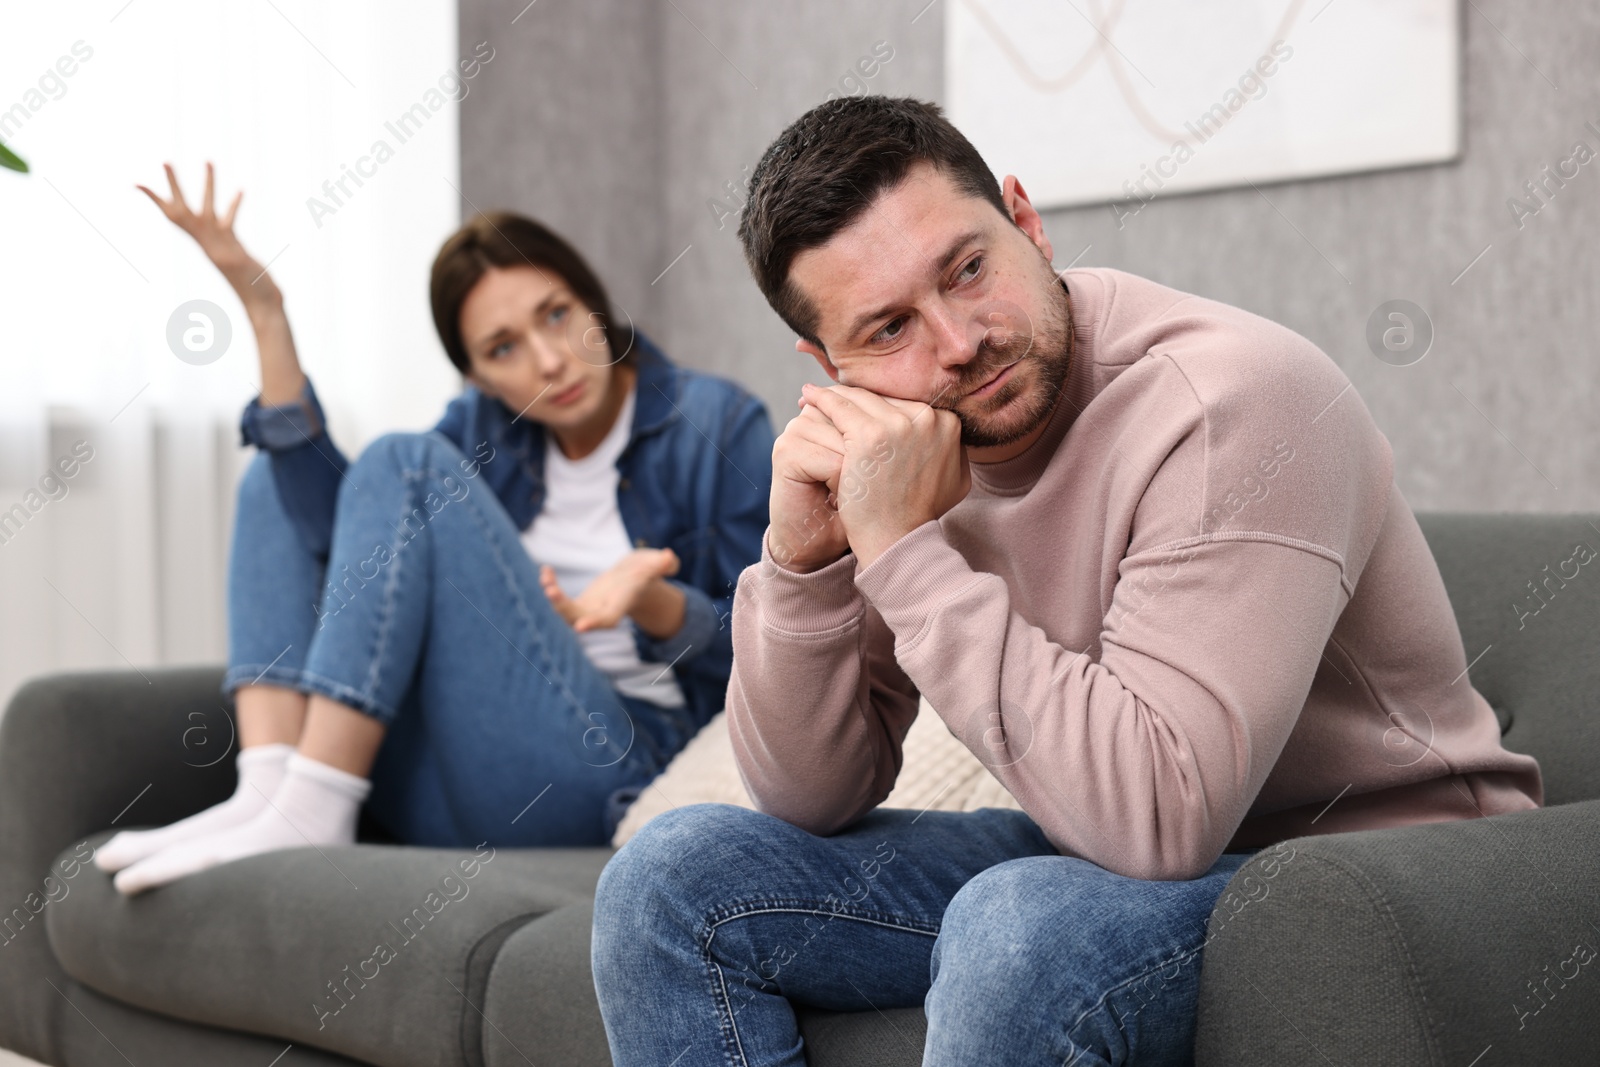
x: 816, y: 353
x: 1024, y: 215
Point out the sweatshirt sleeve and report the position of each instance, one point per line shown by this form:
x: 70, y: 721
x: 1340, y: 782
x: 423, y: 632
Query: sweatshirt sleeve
x: 817, y: 705
x: 1146, y: 761
x: 1143, y: 750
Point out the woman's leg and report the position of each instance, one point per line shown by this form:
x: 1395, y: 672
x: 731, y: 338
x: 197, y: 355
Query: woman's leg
x: 268, y: 715
x: 500, y: 728
x: 278, y: 610
x: 432, y: 606
x: 273, y: 582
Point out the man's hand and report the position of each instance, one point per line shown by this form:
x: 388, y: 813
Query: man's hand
x: 614, y: 594
x: 902, y: 464
x: 807, y: 460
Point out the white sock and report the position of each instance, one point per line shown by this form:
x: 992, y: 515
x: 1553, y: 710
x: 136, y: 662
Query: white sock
x: 314, y: 805
x: 260, y: 770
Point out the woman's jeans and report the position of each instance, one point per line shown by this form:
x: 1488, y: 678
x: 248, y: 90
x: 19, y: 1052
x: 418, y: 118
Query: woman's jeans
x: 429, y: 617
x: 713, y: 918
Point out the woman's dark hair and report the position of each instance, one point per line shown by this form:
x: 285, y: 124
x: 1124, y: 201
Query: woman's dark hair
x: 505, y: 239
x: 825, y: 169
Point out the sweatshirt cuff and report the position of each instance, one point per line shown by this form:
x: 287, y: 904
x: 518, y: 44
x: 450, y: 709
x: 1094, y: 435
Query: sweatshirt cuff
x: 700, y: 624
x: 912, y: 577
x: 283, y: 426
x: 822, y: 600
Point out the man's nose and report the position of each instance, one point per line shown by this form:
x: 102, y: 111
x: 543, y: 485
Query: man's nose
x: 956, y: 339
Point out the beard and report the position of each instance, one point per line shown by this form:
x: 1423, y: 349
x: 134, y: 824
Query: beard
x: 1040, y: 348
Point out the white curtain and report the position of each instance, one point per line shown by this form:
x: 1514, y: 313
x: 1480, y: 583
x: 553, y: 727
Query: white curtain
x: 122, y: 563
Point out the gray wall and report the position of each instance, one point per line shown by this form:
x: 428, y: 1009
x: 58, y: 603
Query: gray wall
x: 617, y: 120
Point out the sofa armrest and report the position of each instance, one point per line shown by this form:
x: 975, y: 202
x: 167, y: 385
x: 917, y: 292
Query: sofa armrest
x: 79, y: 752
x: 1425, y: 944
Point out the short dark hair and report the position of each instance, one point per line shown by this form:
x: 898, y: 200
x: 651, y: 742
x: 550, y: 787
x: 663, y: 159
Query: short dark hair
x: 826, y: 168
x: 505, y: 239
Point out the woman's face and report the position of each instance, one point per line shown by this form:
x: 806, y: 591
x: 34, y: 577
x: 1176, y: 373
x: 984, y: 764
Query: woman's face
x: 536, y: 347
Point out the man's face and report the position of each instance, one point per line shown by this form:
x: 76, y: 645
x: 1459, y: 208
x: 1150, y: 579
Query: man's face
x: 932, y: 295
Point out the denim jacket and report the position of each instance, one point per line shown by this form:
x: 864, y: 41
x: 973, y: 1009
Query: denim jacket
x: 695, y: 477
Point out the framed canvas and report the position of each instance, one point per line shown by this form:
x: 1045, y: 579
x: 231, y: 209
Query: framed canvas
x: 1121, y: 101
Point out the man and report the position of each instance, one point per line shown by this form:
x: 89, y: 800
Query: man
x: 1144, y: 555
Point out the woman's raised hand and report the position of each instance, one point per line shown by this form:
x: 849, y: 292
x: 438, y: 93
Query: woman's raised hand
x: 214, y: 234
x: 281, y: 376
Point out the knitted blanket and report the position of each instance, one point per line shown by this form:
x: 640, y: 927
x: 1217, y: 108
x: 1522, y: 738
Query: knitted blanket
x: 938, y: 773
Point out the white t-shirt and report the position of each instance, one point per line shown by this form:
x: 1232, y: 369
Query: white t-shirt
x: 579, y: 533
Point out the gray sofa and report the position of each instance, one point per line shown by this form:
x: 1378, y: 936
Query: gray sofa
x: 1463, y: 943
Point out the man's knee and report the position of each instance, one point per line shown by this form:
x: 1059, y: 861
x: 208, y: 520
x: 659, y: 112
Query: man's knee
x: 665, y: 880
x: 1003, y: 931
x: 675, y: 853
x: 1054, y: 923
x: 1013, y: 884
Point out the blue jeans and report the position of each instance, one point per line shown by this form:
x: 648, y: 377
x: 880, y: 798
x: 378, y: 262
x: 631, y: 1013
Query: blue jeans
x: 429, y: 617
x: 713, y: 918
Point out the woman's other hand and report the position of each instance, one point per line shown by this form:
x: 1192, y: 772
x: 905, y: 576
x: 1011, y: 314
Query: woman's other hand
x: 613, y: 595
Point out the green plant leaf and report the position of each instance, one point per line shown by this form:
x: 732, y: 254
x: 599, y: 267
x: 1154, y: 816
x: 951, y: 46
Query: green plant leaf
x: 11, y: 161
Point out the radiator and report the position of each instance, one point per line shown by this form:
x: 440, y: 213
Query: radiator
x: 114, y: 538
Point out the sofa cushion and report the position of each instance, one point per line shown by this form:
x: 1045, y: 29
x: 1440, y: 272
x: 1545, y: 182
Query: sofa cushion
x: 381, y: 953
x: 891, y: 1037
x: 97, y: 1031
x: 540, y: 1004
x: 1426, y: 944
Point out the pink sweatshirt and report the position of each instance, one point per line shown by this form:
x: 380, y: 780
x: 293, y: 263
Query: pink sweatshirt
x: 1195, y: 615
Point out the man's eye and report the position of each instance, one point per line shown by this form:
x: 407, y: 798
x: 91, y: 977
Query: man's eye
x: 557, y: 314
x: 499, y: 350
x: 970, y: 271
x: 891, y: 329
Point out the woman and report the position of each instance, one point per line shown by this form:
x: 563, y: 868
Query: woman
x: 391, y: 641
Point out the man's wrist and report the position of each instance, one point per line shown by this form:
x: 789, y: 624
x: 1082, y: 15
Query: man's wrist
x: 791, y: 561
x: 909, y: 577
x: 822, y: 599
x: 807, y: 568
x: 869, y: 548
